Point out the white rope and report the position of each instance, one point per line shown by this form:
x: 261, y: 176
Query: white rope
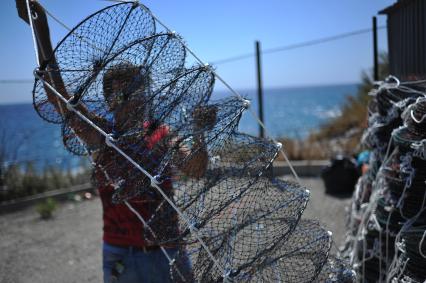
x: 220, y: 79
x: 153, y: 180
x: 30, y: 20
x: 419, y: 82
x: 365, y: 214
x: 387, y: 233
x: 402, y: 270
x: 407, y: 225
x: 109, y: 141
x: 419, y: 149
x: 233, y: 91
x: 405, y: 168
x: 370, y: 207
x: 415, y: 119
x: 421, y: 244
x: 57, y: 19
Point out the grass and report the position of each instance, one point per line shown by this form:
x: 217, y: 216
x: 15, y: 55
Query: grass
x: 46, y: 208
x: 21, y: 180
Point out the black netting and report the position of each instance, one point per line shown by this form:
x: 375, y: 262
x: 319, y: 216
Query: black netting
x: 87, y: 48
x: 388, y: 213
x: 160, y: 144
x: 336, y: 270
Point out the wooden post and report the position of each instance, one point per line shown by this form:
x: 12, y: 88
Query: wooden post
x: 259, y: 88
x: 375, y: 52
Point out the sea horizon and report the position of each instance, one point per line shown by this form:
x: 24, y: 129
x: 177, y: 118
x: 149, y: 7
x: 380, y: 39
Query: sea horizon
x: 290, y: 112
x: 219, y: 90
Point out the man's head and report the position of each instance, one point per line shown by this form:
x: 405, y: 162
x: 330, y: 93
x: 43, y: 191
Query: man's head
x: 120, y: 82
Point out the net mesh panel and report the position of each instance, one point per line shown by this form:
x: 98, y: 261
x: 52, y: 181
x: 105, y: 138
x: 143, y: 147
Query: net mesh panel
x: 387, y: 220
x: 414, y: 250
x: 90, y: 45
x: 132, y: 82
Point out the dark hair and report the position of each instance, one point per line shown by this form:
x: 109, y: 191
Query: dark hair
x: 125, y: 74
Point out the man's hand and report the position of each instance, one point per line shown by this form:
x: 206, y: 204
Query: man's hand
x: 204, y: 117
x: 196, y: 164
x: 196, y: 160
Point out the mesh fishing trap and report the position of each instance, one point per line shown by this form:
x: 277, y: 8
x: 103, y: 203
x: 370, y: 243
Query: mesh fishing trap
x: 386, y: 226
x: 120, y: 87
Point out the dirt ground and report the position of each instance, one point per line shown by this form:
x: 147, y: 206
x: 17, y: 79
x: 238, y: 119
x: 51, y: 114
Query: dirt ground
x: 68, y: 247
x: 329, y: 210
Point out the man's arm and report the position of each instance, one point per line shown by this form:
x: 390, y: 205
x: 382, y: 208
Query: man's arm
x: 196, y: 161
x: 48, y: 65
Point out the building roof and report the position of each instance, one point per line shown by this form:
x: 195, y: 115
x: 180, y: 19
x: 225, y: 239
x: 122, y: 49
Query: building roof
x: 395, y: 7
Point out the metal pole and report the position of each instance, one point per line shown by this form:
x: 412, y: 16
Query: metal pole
x: 259, y: 88
x: 375, y: 52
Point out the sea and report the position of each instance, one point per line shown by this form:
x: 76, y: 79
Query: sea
x: 288, y: 112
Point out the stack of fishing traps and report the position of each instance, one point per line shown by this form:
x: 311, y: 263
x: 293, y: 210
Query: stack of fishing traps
x: 233, y: 222
x: 387, y: 224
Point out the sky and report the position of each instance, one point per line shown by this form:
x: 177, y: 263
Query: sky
x: 215, y: 30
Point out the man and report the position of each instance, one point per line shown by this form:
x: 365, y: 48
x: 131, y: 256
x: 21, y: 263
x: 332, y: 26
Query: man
x: 130, y: 252
x: 129, y: 255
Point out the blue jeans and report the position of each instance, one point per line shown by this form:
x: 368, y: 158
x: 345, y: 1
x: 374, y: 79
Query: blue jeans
x: 135, y: 266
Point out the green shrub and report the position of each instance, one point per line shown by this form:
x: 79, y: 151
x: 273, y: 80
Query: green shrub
x: 21, y: 180
x: 354, y: 110
x: 342, y: 134
x: 46, y: 208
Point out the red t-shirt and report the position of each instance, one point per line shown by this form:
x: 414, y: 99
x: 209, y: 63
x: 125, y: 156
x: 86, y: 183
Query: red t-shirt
x: 120, y: 225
